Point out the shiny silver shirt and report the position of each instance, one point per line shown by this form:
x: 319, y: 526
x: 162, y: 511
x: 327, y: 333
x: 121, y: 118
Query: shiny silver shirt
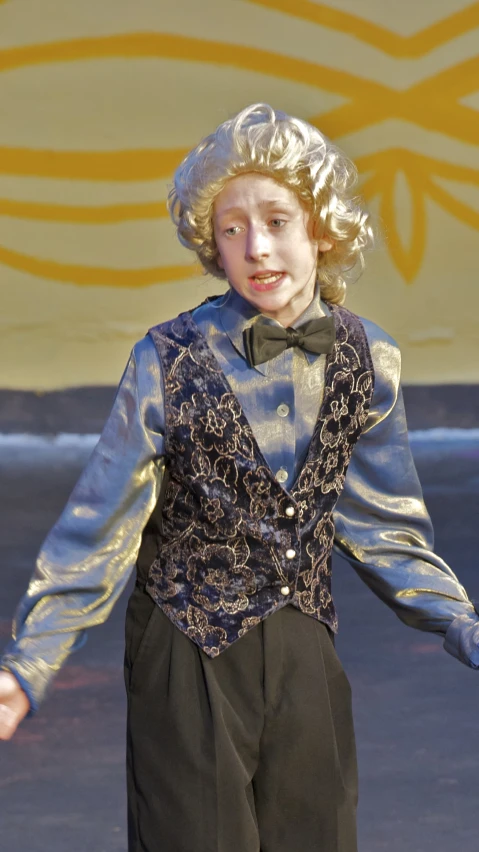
x: 382, y: 526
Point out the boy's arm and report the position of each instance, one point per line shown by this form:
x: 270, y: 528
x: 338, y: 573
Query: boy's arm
x: 383, y: 527
x: 88, y: 555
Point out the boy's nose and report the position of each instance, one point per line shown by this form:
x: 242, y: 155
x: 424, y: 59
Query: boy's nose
x: 257, y: 245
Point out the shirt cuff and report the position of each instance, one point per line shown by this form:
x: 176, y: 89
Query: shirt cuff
x: 462, y: 640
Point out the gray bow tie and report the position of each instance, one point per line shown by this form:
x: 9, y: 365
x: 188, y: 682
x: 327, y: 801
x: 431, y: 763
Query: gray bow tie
x: 263, y: 341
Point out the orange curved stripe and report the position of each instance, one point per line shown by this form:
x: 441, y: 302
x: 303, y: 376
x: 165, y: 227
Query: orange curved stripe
x: 371, y: 102
x: 389, y: 42
x: 431, y: 104
x: 81, y: 214
x: 358, y: 113
x: 407, y: 260
x: 96, y: 276
x: 456, y: 81
x: 451, y: 119
x: 134, y: 165
x: 402, y: 158
x: 452, y: 206
x: 167, y: 46
x: 372, y: 186
x: 454, y: 172
x: 419, y: 171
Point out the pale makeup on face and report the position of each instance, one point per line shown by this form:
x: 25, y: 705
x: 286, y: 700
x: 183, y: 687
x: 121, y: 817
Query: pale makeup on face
x: 265, y: 245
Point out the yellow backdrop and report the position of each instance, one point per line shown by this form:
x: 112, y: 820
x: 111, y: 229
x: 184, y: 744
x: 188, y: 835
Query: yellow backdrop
x: 100, y: 101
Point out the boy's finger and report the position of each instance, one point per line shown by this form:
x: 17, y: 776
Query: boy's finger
x: 8, y: 722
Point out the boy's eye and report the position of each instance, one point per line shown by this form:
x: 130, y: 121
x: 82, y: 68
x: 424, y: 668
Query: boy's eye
x: 276, y: 223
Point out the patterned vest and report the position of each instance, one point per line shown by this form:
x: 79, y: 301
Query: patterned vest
x: 232, y: 545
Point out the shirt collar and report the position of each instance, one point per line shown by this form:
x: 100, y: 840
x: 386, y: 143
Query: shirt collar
x: 236, y: 314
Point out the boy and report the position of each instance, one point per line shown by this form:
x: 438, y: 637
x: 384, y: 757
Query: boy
x: 222, y: 472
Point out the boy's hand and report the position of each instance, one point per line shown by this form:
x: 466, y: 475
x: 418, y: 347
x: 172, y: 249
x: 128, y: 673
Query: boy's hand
x: 14, y: 705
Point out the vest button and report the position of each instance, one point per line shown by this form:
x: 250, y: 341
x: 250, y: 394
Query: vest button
x: 282, y: 475
x: 289, y: 511
x: 290, y: 553
x: 282, y: 410
x: 285, y: 590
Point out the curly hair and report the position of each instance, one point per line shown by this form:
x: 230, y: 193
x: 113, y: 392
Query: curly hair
x: 292, y: 152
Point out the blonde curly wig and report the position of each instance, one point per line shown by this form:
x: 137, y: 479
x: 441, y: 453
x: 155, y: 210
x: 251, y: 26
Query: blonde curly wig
x: 293, y: 152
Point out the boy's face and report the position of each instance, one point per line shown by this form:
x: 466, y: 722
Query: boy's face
x: 265, y: 245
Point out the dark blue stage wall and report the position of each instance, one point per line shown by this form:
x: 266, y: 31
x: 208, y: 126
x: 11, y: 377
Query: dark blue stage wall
x: 84, y: 410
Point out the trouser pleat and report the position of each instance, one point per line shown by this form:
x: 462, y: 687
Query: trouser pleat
x: 251, y: 750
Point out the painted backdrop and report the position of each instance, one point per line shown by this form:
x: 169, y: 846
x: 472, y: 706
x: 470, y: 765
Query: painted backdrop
x: 100, y: 101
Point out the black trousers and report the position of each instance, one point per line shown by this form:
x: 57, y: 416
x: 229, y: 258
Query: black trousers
x: 252, y: 750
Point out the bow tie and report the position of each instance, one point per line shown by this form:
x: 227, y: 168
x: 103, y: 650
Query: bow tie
x: 263, y: 342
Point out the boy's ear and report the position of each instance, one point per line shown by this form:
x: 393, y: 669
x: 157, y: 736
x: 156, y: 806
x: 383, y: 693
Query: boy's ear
x: 324, y: 244
x: 219, y: 261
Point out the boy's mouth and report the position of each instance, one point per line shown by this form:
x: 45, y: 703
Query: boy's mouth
x: 266, y: 280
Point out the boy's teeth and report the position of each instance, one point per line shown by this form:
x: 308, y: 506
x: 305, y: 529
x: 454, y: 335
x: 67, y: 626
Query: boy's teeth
x: 268, y: 277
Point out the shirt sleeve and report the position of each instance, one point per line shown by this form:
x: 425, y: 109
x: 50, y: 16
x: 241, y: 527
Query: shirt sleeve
x: 383, y: 528
x: 88, y: 555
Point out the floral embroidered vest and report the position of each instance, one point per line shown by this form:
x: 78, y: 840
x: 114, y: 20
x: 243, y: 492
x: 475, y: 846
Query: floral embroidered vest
x: 235, y: 546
